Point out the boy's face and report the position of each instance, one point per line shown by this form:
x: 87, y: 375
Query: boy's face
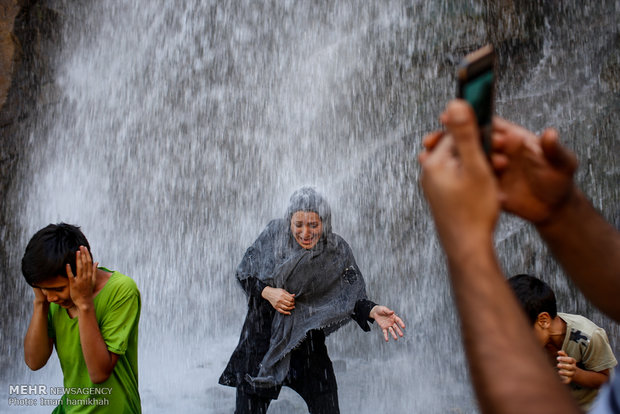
x: 56, y: 289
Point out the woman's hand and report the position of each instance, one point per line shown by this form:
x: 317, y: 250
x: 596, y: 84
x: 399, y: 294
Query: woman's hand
x: 280, y: 299
x: 388, y: 321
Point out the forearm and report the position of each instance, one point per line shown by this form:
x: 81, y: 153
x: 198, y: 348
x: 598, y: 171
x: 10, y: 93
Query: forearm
x: 38, y: 345
x: 588, y: 248
x: 253, y: 286
x: 99, y: 361
x: 590, y: 379
x: 509, y: 370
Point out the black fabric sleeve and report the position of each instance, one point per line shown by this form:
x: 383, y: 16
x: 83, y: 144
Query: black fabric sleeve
x: 253, y: 286
x: 361, y: 313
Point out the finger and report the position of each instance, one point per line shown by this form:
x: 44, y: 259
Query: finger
x: 460, y: 121
x: 86, y: 261
x: 422, y: 157
x: 391, y: 329
x: 86, y: 253
x: 442, y: 152
x: 78, y: 264
x: 555, y: 153
x: 69, y: 271
x: 70, y: 276
x: 94, y: 276
x: 398, y: 331
x: 501, y: 125
x: 499, y: 162
x: 385, y: 335
x: 431, y: 140
x: 400, y: 322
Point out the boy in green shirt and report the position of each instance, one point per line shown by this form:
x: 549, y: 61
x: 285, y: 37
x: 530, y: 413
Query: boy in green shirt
x: 90, y: 314
x: 579, y: 348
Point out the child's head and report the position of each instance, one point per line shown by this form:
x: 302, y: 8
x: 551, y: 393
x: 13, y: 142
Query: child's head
x: 538, y: 301
x: 49, y: 251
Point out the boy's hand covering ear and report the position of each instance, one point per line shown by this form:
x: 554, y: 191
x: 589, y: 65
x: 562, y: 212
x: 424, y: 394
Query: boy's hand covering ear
x: 82, y: 285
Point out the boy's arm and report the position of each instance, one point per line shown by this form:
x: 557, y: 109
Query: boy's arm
x: 100, y: 362
x: 591, y: 379
x: 509, y: 371
x: 38, y: 346
x: 536, y: 183
x: 570, y: 372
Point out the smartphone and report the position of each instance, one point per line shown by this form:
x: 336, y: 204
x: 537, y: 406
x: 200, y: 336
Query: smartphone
x: 476, y: 84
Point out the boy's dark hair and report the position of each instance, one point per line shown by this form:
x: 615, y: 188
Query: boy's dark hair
x: 49, y: 250
x: 534, y: 295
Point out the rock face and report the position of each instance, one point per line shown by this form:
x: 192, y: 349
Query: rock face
x: 8, y: 46
x: 28, y: 38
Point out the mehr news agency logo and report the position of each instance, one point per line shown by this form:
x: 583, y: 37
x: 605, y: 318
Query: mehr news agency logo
x: 28, y: 395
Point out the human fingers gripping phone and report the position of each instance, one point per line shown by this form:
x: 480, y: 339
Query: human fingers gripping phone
x: 476, y: 84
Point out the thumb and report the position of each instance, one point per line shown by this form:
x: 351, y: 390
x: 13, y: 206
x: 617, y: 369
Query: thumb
x: 555, y: 153
x: 461, y: 122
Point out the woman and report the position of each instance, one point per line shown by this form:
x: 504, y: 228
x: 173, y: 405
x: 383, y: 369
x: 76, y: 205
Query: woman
x: 303, y: 284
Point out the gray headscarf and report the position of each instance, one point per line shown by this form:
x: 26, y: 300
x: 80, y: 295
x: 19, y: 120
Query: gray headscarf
x: 308, y: 199
x: 324, y: 279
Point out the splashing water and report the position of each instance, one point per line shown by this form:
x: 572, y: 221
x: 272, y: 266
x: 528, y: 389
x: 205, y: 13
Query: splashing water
x: 179, y: 128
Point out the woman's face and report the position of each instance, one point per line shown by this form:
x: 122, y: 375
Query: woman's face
x: 307, y: 228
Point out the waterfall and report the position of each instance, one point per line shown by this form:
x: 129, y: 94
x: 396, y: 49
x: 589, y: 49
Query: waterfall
x: 178, y: 129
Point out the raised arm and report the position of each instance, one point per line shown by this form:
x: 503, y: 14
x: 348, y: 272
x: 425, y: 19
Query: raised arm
x: 38, y: 346
x: 99, y: 361
x: 589, y: 250
x: 510, y: 372
x: 536, y: 183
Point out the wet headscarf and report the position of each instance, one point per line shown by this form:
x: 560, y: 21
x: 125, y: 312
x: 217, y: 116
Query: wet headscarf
x: 324, y: 279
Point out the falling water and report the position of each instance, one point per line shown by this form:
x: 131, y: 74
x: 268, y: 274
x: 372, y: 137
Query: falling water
x: 173, y: 131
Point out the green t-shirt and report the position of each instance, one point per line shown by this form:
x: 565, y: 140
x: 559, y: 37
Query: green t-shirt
x: 588, y: 344
x: 117, y: 309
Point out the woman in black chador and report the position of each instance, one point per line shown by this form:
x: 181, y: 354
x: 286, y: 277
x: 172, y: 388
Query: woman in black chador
x: 302, y: 283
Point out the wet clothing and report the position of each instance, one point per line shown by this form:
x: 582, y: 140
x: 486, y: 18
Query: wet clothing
x: 324, y: 279
x: 117, y: 309
x: 294, y: 357
x: 308, y: 361
x: 588, y: 344
x: 254, y: 343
